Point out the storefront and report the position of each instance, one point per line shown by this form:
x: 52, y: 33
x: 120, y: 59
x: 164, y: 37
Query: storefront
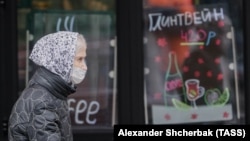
x: 149, y: 61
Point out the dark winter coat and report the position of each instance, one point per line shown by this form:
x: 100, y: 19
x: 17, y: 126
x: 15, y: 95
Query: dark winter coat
x: 41, y: 112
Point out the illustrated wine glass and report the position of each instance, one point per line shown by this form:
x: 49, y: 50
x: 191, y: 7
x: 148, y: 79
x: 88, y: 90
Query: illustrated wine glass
x: 194, y: 90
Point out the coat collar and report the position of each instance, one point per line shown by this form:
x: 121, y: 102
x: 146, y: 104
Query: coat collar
x: 53, y: 83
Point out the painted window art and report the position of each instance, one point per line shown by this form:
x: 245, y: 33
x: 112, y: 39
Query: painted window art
x: 190, y: 66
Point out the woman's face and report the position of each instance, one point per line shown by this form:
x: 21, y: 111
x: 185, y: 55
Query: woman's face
x: 79, y: 60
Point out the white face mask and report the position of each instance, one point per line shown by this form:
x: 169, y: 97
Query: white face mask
x: 77, y: 75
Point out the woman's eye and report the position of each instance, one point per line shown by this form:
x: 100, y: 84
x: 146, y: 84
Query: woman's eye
x: 80, y: 59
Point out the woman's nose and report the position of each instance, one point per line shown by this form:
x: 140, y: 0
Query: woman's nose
x: 84, y: 66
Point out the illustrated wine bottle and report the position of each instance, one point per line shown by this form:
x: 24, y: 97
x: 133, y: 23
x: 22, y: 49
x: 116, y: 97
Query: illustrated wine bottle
x: 173, y: 86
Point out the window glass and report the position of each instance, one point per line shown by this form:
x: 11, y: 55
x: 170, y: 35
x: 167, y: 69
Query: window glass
x: 193, y: 61
x: 92, y: 106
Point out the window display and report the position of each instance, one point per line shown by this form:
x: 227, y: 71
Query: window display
x: 190, y: 64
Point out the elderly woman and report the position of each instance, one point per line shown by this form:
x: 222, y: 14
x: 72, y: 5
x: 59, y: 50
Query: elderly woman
x: 41, y: 112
